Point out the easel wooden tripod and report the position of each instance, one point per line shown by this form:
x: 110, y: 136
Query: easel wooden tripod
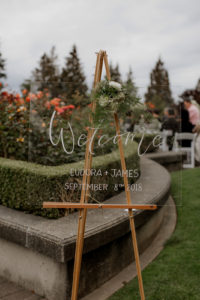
x: 83, y: 205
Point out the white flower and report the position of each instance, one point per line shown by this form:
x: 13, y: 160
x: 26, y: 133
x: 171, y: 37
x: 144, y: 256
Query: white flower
x: 115, y: 85
x: 103, y: 101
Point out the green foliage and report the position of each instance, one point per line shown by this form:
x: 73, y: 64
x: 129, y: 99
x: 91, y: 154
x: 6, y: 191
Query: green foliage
x: 159, y: 93
x: 146, y: 142
x: 24, y: 129
x: 24, y: 186
x: 174, y: 274
x: 72, y: 80
x: 13, y: 126
x: 2, y: 67
x: 26, y: 85
x: 115, y: 73
x: 46, y: 76
x: 130, y: 85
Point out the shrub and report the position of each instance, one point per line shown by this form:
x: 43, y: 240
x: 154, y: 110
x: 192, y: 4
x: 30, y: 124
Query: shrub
x: 24, y: 185
x: 146, y: 145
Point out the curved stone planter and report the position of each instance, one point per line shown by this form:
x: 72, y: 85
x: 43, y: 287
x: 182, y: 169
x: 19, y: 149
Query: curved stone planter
x: 24, y: 185
x: 38, y: 253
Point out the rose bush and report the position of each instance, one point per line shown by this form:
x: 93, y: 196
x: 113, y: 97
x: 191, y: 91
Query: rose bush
x: 24, y: 128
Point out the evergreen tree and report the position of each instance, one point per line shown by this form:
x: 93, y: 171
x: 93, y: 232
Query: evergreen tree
x: 130, y: 85
x: 2, y: 67
x: 72, y: 79
x: 46, y: 75
x: 159, y: 93
x: 26, y: 85
x: 115, y: 73
x: 198, y: 86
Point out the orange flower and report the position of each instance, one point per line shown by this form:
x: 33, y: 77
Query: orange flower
x: 28, y: 99
x: 20, y: 139
x: 66, y: 107
x: 59, y: 110
x: 21, y: 108
x: 33, y: 96
x: 55, y: 101
x: 47, y: 105
x: 151, y: 105
x: 24, y: 92
x: 20, y: 101
x: 39, y: 95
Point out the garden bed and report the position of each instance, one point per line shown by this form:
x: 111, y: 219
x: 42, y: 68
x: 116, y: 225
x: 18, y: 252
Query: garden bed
x: 24, y: 186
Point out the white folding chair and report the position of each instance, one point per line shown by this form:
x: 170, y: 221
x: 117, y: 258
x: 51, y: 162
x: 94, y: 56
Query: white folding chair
x: 190, y: 151
x: 164, y: 135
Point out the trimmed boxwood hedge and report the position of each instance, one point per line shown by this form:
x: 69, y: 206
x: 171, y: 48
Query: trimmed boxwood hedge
x: 146, y: 145
x: 24, y: 186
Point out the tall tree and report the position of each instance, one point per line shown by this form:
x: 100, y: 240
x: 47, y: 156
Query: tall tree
x: 46, y: 75
x: 73, y: 79
x: 130, y: 85
x: 2, y: 67
x: 26, y: 85
x: 159, y: 92
x: 115, y: 73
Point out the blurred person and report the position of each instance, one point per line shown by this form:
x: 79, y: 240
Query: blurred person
x: 194, y: 114
x: 170, y: 123
x: 185, y: 124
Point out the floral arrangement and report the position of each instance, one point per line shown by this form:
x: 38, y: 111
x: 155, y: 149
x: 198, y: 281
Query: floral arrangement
x: 111, y: 97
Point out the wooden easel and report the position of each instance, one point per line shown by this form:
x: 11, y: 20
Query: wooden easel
x: 84, y: 205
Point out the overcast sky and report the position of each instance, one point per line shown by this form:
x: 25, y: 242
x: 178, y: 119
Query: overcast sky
x: 133, y: 32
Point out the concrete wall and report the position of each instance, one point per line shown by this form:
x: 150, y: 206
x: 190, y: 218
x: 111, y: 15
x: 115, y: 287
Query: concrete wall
x: 38, y: 253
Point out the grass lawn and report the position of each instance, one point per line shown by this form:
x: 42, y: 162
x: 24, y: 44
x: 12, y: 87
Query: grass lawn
x: 175, y: 273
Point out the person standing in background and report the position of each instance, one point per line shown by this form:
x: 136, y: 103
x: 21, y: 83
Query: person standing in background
x: 170, y: 123
x: 194, y: 114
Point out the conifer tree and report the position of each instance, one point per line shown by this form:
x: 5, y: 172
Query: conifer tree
x: 72, y: 79
x: 159, y: 93
x: 115, y: 73
x: 26, y: 85
x: 2, y: 67
x: 46, y: 75
x: 130, y: 85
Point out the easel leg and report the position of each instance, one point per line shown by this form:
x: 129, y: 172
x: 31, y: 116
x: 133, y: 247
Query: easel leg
x: 136, y: 253
x: 84, y: 195
x: 78, y: 253
x: 128, y: 198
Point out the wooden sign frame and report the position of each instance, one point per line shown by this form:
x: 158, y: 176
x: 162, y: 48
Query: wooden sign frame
x: 84, y: 205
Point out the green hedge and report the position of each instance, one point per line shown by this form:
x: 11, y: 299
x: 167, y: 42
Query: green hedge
x: 24, y: 186
x: 146, y: 145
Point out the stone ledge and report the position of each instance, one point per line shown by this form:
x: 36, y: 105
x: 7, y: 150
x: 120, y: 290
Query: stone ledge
x: 171, y: 160
x: 56, y: 238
